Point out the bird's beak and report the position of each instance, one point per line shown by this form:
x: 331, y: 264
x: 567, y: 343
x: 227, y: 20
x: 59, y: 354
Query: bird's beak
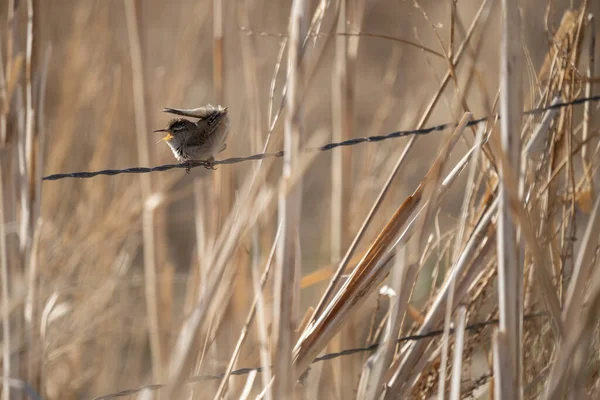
x: 167, y: 137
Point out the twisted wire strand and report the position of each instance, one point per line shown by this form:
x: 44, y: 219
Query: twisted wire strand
x: 244, y: 371
x: 326, y: 147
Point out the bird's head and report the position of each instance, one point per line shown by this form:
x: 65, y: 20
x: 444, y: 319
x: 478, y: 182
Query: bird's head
x: 176, y: 127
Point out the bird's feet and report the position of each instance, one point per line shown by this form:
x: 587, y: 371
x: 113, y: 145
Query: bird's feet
x: 209, y: 164
x: 189, y: 164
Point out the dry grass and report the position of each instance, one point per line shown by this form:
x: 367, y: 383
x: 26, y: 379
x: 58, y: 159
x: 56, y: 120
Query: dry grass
x: 118, y: 282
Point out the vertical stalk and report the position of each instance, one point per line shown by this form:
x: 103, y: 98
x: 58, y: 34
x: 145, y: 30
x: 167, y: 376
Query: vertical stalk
x: 341, y: 131
x: 150, y: 274
x: 222, y: 198
x: 289, y: 218
x: 339, y: 174
x: 587, y: 107
x: 6, y: 340
x: 510, y: 273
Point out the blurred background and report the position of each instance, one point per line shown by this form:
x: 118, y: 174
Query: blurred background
x: 101, y: 273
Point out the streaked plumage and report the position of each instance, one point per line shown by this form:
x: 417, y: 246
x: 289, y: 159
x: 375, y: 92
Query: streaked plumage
x: 201, y: 140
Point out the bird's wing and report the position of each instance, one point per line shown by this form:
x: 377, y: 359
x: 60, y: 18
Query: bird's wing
x: 196, y: 140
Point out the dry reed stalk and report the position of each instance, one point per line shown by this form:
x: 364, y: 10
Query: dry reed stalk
x: 582, y: 269
x: 183, y: 351
x: 509, y: 252
x: 373, y: 374
x: 151, y: 287
x: 587, y: 115
x: 526, y: 221
x: 4, y: 276
x: 261, y: 323
x: 343, y: 264
x: 218, y: 51
x: 30, y: 311
x: 412, y: 352
x: 342, y: 119
x: 222, y: 191
x: 27, y: 163
x: 343, y: 89
x: 287, y: 277
x: 202, y: 244
x: 248, y: 386
x: 250, y: 59
x: 249, y: 319
x: 10, y: 59
x: 459, y: 342
x: 457, y: 249
x: 370, y: 272
x: 7, y: 342
x: 583, y: 320
x: 502, y: 370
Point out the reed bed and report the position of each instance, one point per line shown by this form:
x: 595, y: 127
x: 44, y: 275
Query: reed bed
x: 459, y: 264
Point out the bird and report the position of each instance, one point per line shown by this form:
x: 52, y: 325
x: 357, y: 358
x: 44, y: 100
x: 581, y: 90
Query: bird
x: 197, y: 141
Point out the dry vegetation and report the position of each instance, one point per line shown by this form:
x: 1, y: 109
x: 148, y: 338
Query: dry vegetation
x: 121, y: 282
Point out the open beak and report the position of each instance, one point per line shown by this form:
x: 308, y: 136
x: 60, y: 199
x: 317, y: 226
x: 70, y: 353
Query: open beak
x: 166, y: 138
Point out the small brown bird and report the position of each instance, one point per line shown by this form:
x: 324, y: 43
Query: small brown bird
x: 197, y: 141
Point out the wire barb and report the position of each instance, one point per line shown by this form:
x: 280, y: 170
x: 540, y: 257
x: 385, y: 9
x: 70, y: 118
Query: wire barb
x: 326, y: 147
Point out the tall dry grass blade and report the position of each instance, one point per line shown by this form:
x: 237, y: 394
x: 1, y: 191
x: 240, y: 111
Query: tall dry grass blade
x: 184, y: 351
x: 25, y: 234
x: 261, y: 324
x: 587, y: 107
x: 359, y: 235
x: 248, y: 386
x: 373, y: 374
x: 342, y: 122
x: 502, y: 369
x: 413, y: 351
x: 459, y: 342
x: 151, y: 284
x: 483, y: 9
x: 30, y: 310
x: 510, y: 267
x: 218, y: 54
x: 4, y: 276
x: 342, y: 118
x: 372, y: 269
x: 583, y: 267
x: 249, y: 319
x: 526, y: 221
x: 4, y: 106
x: 457, y: 247
x: 584, y: 322
x: 287, y: 278
x: 223, y: 179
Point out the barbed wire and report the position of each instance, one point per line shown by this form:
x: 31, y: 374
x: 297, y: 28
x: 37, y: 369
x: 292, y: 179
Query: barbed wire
x: 326, y: 147
x: 244, y: 371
